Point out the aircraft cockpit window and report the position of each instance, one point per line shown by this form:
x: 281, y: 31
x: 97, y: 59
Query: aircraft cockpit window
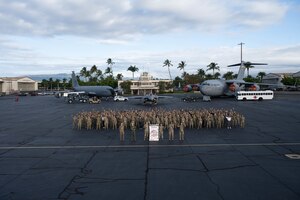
x: 205, y: 83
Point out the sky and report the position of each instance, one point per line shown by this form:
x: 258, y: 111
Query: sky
x: 55, y: 36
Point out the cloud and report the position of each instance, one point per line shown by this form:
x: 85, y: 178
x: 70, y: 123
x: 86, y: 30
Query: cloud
x: 125, y: 19
x: 279, y: 59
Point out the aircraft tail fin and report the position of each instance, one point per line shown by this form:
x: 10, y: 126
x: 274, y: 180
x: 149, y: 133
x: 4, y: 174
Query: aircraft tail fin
x: 241, y: 72
x: 74, y: 80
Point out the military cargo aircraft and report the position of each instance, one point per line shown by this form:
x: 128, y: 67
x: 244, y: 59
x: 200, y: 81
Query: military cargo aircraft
x: 98, y: 91
x: 219, y: 87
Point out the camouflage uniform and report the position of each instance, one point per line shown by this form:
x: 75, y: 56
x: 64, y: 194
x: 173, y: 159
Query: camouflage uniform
x: 133, y: 130
x: 161, y: 131
x: 122, y: 132
x: 79, y: 122
x: 146, y: 131
x: 181, y: 132
x: 171, y: 131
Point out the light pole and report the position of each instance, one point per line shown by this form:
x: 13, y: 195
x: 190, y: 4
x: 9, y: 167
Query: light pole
x: 241, y: 51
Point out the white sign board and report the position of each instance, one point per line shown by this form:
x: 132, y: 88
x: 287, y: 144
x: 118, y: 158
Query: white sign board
x: 153, y: 130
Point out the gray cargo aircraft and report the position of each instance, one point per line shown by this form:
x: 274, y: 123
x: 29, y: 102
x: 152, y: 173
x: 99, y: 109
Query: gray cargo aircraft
x: 98, y: 91
x: 219, y: 87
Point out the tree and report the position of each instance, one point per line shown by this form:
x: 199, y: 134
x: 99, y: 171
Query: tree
x: 287, y: 80
x: 119, y: 77
x: 260, y: 75
x: 178, y: 80
x: 64, y: 81
x: 213, y: 66
x: 110, y: 81
x: 217, y: 75
x: 108, y: 71
x: 192, y: 79
x: 228, y: 75
x: 201, y: 73
x: 110, y: 63
x: 93, y: 69
x: 57, y: 81
x: 251, y: 79
x: 168, y: 64
x: 50, y: 82
x: 99, y: 74
x: 126, y: 86
x: 248, y: 66
x: 181, y: 66
x: 161, y: 86
x: 45, y: 84
x: 84, y: 73
x: 209, y: 76
x: 133, y: 69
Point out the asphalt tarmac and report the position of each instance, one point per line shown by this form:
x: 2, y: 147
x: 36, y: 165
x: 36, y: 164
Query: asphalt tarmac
x: 42, y: 157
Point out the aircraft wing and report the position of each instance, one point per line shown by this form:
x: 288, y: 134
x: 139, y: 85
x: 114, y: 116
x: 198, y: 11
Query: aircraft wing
x: 238, y: 64
x: 91, y: 93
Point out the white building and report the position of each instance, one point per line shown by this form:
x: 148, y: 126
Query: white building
x: 10, y: 85
x: 146, y: 84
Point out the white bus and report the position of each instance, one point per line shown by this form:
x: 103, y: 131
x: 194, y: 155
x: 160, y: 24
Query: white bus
x: 254, y: 95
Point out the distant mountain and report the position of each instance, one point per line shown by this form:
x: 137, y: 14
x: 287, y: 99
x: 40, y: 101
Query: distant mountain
x: 61, y: 76
x: 48, y: 76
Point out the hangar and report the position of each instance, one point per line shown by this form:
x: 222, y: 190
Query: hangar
x: 9, y: 85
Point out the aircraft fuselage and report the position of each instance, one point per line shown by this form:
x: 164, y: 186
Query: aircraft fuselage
x: 99, y: 91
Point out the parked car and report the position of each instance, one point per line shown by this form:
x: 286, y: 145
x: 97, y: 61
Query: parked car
x: 120, y: 98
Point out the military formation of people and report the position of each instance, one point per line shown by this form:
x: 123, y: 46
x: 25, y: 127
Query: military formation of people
x: 166, y: 120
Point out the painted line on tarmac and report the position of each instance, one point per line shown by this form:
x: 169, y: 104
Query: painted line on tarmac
x: 146, y: 146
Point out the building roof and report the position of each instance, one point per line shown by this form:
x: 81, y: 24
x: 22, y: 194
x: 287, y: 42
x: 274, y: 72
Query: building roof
x: 20, y: 79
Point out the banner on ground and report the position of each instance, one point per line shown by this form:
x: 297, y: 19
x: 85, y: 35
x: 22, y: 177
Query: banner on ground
x: 153, y: 130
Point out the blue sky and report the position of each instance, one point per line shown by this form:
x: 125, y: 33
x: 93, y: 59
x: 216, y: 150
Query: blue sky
x: 53, y: 36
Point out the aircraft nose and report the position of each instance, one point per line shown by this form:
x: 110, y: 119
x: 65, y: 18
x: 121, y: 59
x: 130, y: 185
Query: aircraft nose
x: 203, y: 89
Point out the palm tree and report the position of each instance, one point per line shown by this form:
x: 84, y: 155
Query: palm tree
x: 64, y: 81
x: 133, y: 69
x: 51, y: 82
x: 119, y: 77
x: 110, y: 63
x: 261, y: 75
x: 84, y: 73
x: 93, y: 69
x: 213, y: 66
x: 57, y: 81
x: 168, y: 64
x: 248, y: 66
x: 99, y: 74
x: 181, y: 66
x: 201, y: 73
x: 108, y: 70
x: 228, y: 75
